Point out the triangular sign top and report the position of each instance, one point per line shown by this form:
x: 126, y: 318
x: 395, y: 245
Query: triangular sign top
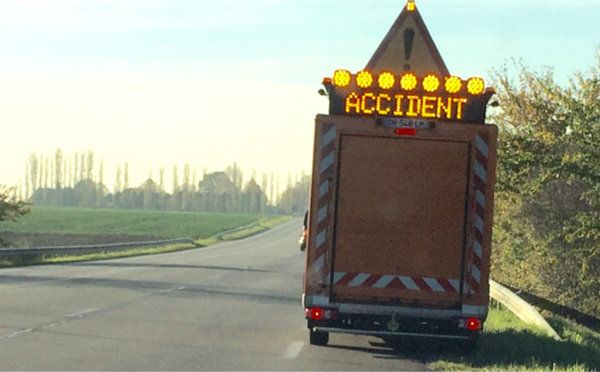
x: 408, y: 46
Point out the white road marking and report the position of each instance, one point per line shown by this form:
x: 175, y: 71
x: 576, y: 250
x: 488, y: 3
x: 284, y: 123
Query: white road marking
x: 17, y: 333
x: 171, y: 289
x: 293, y: 350
x: 81, y: 313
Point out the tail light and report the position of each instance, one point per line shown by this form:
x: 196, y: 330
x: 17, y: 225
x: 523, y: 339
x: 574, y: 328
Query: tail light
x: 316, y: 313
x: 406, y: 131
x: 473, y: 324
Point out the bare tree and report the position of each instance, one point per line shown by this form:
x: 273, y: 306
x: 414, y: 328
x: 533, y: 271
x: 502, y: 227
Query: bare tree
x: 75, y: 168
x: 126, y: 176
x: 161, y: 179
x: 27, y: 182
x: 119, y: 180
x: 82, y: 164
x: 90, y: 166
x: 264, y: 184
x: 58, y: 168
x: 33, y: 170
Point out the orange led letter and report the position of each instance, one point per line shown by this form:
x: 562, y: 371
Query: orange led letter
x: 459, y: 106
x: 412, y: 102
x: 381, y: 97
x: 446, y: 108
x: 398, y: 111
x: 352, y: 102
x: 428, y: 109
x: 364, y: 108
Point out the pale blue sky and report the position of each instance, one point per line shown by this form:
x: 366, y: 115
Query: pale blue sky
x: 158, y: 83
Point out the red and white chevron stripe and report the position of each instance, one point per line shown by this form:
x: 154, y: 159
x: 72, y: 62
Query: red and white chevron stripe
x: 480, y: 181
x: 324, y: 200
x: 410, y: 283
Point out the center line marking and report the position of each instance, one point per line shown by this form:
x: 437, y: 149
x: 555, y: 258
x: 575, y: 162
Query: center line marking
x: 79, y: 314
x: 293, y: 350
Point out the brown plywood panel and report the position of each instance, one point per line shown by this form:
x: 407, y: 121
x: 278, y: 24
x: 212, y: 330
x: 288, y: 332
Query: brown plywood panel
x: 401, y: 209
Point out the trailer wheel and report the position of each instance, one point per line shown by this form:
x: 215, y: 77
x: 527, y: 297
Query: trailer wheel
x: 319, y: 338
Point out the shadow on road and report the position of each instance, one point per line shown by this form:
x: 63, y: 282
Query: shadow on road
x: 171, y: 266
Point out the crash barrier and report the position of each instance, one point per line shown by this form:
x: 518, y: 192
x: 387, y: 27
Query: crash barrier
x: 113, y: 247
x: 89, y: 249
x: 520, y: 308
x: 228, y: 232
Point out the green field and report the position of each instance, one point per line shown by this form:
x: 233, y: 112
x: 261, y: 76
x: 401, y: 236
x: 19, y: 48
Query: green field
x: 159, y: 224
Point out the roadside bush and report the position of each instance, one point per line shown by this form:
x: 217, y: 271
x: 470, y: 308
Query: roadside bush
x: 547, y: 225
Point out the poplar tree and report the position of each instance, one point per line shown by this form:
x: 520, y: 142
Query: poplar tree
x: 33, y: 171
x: 58, y: 168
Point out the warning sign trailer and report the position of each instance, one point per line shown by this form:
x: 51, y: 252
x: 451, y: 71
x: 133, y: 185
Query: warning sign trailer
x: 401, y: 202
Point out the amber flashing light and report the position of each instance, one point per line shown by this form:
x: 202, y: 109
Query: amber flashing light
x: 386, y: 80
x: 364, y: 79
x: 408, y: 81
x: 341, y: 78
x: 475, y: 86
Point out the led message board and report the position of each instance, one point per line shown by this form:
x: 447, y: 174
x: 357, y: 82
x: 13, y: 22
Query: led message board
x: 407, y: 95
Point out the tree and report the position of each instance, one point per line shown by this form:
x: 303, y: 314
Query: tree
x: 548, y: 188
x: 126, y: 176
x: 33, y: 171
x: 75, y: 169
x: 118, y: 182
x: 11, y: 208
x: 58, y: 168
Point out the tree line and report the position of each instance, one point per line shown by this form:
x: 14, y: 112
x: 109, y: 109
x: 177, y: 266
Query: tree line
x: 78, y: 180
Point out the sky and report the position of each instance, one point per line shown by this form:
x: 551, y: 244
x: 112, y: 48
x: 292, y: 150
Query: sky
x: 158, y: 83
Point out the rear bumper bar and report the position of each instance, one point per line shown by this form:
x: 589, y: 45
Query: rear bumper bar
x: 387, y: 333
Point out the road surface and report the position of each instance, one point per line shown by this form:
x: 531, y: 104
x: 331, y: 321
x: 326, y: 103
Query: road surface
x: 232, y: 306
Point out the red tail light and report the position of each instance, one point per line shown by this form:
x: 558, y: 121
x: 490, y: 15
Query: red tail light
x: 473, y: 324
x: 406, y: 131
x: 316, y: 313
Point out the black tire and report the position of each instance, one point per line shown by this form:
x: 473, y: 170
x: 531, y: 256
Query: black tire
x: 319, y: 338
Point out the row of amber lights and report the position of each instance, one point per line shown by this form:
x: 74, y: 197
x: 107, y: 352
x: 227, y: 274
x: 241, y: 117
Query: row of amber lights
x: 408, y: 81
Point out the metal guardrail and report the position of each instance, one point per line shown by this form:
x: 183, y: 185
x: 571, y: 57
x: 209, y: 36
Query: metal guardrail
x: 520, y: 308
x: 89, y: 249
x: 113, y: 247
x: 221, y: 235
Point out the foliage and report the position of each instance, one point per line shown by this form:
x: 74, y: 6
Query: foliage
x: 547, y: 224
x: 11, y: 208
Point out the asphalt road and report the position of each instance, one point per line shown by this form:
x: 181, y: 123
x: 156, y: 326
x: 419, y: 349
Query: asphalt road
x: 231, y: 306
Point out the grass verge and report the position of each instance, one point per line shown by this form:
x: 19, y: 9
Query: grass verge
x: 508, y: 344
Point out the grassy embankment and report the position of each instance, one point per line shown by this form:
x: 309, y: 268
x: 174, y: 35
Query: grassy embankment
x: 203, y: 228
x: 508, y: 344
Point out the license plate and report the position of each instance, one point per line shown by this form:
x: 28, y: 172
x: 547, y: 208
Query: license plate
x: 406, y: 123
